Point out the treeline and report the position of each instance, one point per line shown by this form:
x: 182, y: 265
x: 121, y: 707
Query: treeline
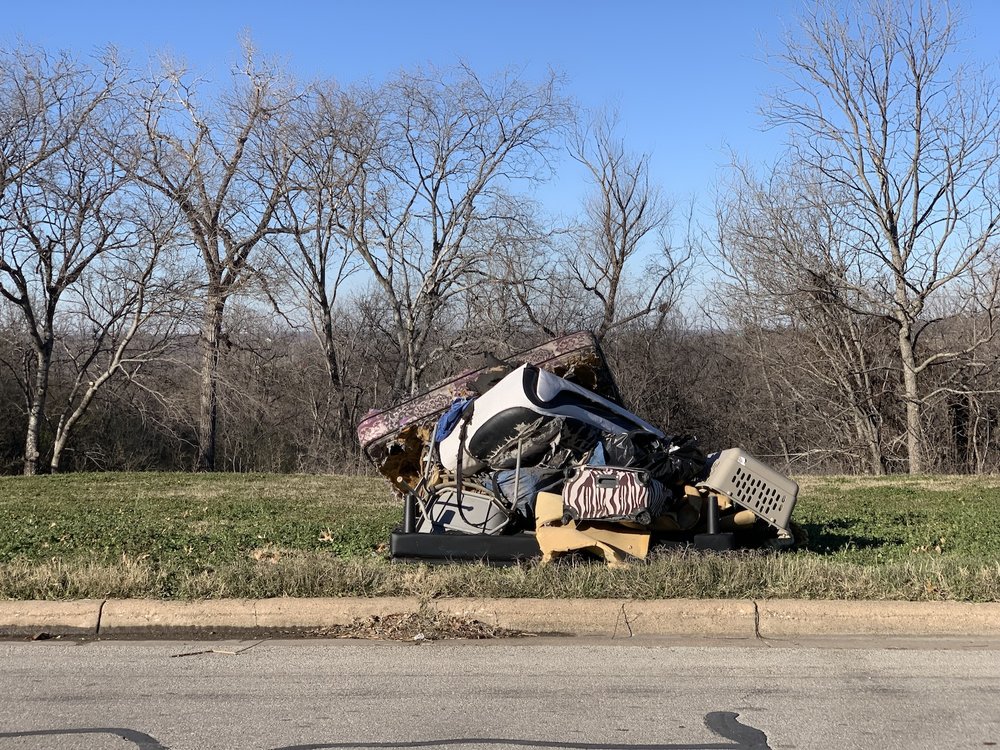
x: 229, y: 275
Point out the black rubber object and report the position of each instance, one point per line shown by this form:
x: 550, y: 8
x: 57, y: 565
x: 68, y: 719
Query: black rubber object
x: 715, y: 542
x: 506, y: 548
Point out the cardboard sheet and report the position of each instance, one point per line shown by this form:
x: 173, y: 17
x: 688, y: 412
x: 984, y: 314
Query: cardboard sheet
x: 611, y: 541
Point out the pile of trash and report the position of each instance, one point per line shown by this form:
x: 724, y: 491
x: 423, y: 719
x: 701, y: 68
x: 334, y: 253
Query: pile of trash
x: 540, y: 448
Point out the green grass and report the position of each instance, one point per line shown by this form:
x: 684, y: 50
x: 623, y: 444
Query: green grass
x: 195, y: 521
x: 871, y: 520
x: 224, y: 535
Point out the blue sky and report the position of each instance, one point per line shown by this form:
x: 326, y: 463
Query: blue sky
x: 687, y: 77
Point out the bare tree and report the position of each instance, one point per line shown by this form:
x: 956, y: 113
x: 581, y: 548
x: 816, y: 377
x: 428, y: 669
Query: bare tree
x: 45, y: 101
x: 886, y: 120
x: 67, y: 233
x: 791, y: 268
x: 223, y: 164
x: 624, y: 213
x: 518, y: 295
x: 332, y: 142
x: 122, y: 314
x: 449, y: 146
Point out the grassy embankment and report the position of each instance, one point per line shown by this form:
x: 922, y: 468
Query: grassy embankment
x: 201, y: 536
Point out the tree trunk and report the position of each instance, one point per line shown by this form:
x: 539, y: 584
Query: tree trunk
x: 329, y: 352
x: 960, y: 410
x: 32, y: 454
x: 406, y: 380
x: 68, y: 421
x: 610, y: 306
x: 867, y: 432
x: 211, y: 342
x: 911, y: 395
x: 57, y: 450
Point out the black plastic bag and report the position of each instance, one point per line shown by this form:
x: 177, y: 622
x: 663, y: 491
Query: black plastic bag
x: 671, y: 460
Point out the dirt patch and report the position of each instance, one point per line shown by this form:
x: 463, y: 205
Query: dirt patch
x: 426, y: 625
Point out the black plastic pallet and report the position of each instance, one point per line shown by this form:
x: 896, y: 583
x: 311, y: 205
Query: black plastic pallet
x: 510, y: 548
x: 513, y: 548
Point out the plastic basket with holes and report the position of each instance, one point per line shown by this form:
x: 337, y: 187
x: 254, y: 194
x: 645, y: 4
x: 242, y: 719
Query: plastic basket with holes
x: 753, y: 485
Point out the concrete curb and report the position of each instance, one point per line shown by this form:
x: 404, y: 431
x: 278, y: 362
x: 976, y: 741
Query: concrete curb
x: 795, y: 617
x: 142, y: 617
x: 708, y: 618
x: 80, y: 617
x: 612, y: 617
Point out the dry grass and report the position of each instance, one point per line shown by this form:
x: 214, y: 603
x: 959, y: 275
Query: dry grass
x: 670, y: 575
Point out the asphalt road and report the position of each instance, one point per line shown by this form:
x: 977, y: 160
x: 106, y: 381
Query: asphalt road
x: 570, y: 693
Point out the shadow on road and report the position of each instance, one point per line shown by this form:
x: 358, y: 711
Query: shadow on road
x: 725, y: 724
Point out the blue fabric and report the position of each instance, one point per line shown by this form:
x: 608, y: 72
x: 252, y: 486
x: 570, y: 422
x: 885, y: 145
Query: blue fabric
x: 450, y: 418
x: 598, y: 458
x: 532, y: 481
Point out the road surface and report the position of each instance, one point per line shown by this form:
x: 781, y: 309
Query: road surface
x: 531, y: 693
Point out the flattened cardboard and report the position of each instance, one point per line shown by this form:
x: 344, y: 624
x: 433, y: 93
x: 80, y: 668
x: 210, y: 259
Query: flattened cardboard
x: 609, y: 541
